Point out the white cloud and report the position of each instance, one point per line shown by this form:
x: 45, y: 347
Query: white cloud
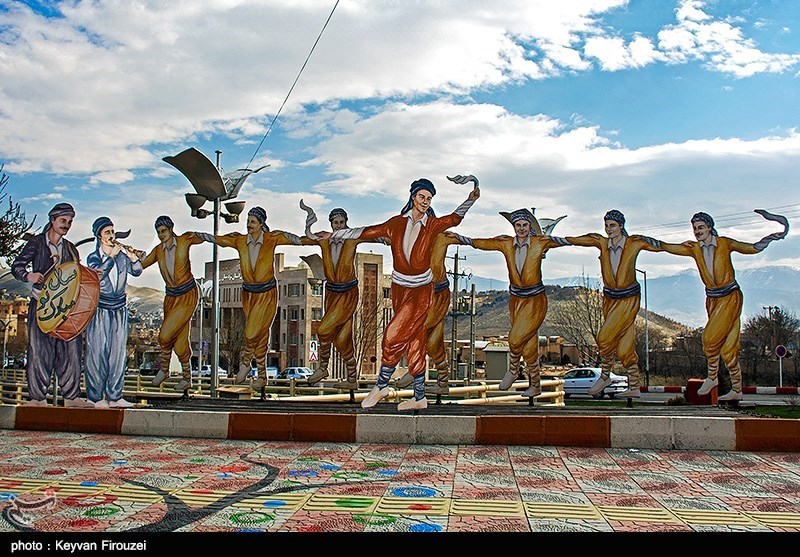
x: 719, y: 44
x: 614, y: 55
x: 91, y: 91
x: 42, y: 197
x: 109, y: 88
x: 537, y: 161
x: 112, y: 177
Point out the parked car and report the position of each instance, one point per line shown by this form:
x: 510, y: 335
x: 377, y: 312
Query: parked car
x: 296, y: 373
x: 205, y: 371
x: 150, y: 369
x: 272, y: 372
x: 578, y: 380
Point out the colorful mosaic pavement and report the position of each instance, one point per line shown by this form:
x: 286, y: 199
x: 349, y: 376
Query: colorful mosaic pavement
x: 91, y: 483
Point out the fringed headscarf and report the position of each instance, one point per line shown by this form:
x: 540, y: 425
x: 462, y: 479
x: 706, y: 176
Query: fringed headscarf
x: 337, y: 212
x: 706, y: 218
x: 523, y: 214
x: 617, y: 217
x: 261, y: 214
x: 417, y: 186
x: 59, y: 210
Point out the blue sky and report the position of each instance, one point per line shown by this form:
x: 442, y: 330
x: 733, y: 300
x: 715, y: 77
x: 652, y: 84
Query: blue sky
x: 659, y: 108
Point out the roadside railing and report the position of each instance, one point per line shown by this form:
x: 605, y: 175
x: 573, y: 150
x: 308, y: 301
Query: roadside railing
x: 138, y: 388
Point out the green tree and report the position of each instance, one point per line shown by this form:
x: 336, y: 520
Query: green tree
x: 13, y: 223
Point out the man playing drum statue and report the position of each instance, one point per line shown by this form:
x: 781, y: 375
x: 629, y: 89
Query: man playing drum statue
x: 49, y: 353
x: 107, y: 334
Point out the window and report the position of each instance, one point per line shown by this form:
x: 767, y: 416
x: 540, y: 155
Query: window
x: 316, y: 314
x: 284, y: 314
x: 387, y: 293
x: 294, y: 290
x: 316, y: 289
x: 283, y: 338
x: 293, y: 339
x: 294, y: 314
x: 302, y: 340
x: 302, y: 314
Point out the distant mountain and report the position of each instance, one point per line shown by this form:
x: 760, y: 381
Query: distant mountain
x: 682, y: 296
x: 493, y: 316
x: 483, y: 284
x: 144, y: 299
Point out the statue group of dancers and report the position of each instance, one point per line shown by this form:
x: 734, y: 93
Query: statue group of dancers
x: 420, y: 297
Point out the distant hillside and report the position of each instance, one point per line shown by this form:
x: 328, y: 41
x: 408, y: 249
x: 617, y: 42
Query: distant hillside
x: 493, y: 317
x: 146, y: 300
x: 682, y: 296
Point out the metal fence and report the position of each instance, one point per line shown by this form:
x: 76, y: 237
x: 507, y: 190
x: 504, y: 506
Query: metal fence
x: 138, y: 388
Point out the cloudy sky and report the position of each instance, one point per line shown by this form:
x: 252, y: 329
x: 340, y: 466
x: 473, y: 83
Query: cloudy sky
x: 659, y: 108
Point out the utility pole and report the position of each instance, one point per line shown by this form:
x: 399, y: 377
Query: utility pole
x: 454, y: 313
x: 471, y: 369
x: 773, y: 333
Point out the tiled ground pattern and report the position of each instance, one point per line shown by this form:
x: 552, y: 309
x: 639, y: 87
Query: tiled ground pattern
x: 89, y: 482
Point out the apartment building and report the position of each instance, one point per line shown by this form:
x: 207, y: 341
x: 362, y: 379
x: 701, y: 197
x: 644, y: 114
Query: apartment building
x: 293, y: 337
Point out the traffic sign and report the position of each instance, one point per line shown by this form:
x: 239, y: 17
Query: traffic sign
x: 781, y: 351
x: 313, y: 351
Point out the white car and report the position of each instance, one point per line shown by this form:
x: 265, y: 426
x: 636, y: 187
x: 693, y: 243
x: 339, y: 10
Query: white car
x: 297, y: 373
x: 577, y: 382
x: 205, y: 371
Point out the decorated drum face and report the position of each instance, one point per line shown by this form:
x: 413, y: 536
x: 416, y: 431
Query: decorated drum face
x: 68, y: 300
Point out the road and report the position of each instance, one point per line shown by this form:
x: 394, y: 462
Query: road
x: 662, y: 398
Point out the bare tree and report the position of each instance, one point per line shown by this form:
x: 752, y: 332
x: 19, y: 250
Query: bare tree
x: 578, y: 318
x: 369, y: 322
x: 13, y: 223
x: 231, y: 341
x: 761, y: 334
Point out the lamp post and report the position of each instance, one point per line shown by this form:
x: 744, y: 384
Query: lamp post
x: 5, y: 339
x: 646, y: 332
x: 211, y: 185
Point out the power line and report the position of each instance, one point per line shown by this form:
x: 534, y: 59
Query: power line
x: 731, y: 217
x: 296, y: 79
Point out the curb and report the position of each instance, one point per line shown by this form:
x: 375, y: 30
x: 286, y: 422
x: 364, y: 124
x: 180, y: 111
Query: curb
x: 663, y: 389
x: 771, y: 390
x: 745, y: 390
x: 641, y: 432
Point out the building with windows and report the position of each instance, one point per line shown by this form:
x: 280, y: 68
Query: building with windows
x: 293, y: 337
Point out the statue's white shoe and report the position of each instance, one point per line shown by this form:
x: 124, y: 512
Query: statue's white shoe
x: 374, y: 397
x: 707, y: 386
x: 413, y: 404
x: 78, y: 403
x: 159, y: 378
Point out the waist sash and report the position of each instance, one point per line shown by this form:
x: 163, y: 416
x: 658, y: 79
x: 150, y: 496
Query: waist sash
x: 412, y: 281
x: 112, y: 302
x: 341, y: 287
x: 181, y: 289
x: 526, y: 291
x: 441, y: 286
x: 722, y: 291
x: 259, y: 287
x: 621, y: 293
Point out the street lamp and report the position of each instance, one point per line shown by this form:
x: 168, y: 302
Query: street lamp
x: 6, y: 324
x: 211, y: 185
x: 205, y: 287
x: 646, y: 333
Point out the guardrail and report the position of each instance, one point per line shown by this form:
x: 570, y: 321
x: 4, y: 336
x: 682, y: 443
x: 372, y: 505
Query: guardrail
x: 139, y: 388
